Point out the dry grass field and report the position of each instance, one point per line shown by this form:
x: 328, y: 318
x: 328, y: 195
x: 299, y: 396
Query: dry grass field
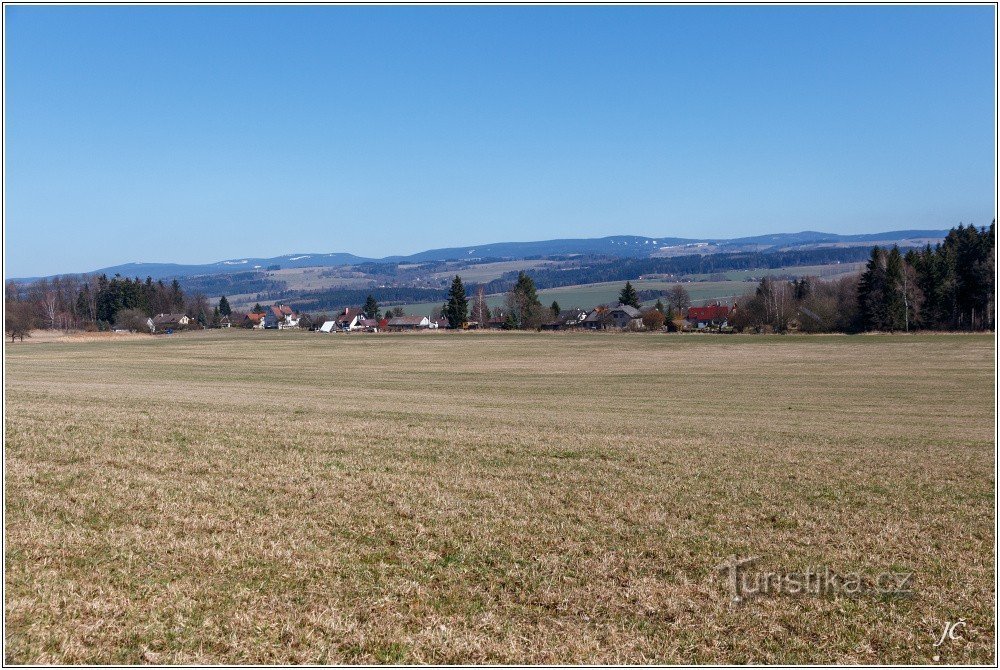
x: 276, y: 497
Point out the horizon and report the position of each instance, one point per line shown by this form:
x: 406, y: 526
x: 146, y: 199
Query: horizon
x: 480, y: 244
x: 200, y: 134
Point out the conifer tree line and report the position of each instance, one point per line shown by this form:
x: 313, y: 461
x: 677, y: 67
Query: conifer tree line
x: 950, y: 286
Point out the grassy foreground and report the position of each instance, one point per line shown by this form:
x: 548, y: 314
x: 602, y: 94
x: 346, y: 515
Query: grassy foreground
x: 265, y: 497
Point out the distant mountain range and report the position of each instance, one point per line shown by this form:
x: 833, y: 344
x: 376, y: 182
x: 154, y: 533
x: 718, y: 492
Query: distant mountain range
x: 620, y: 246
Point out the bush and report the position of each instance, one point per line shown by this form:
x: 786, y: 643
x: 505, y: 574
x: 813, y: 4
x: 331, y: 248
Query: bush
x: 132, y: 320
x: 653, y: 320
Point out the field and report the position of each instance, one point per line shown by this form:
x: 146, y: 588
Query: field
x: 701, y: 289
x: 588, y: 296
x: 277, y: 497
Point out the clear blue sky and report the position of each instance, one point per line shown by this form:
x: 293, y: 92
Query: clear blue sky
x: 194, y: 134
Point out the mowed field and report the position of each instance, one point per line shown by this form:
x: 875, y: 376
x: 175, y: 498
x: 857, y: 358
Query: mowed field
x: 278, y: 497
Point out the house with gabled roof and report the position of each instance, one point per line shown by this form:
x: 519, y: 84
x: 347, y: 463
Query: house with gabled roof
x: 280, y: 317
x: 709, y: 316
x: 350, y: 318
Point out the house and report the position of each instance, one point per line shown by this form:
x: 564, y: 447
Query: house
x: 226, y: 322
x: 408, y: 323
x: 620, y: 316
x: 350, y: 318
x: 368, y: 325
x: 440, y: 323
x: 280, y: 317
x: 257, y: 320
x: 709, y: 316
x: 567, y: 318
x: 624, y: 316
x: 162, y: 322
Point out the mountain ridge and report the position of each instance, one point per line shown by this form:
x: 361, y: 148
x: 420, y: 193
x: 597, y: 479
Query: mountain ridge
x: 622, y: 246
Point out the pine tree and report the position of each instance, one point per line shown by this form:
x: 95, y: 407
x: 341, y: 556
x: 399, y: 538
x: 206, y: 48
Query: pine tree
x: 224, y: 308
x: 629, y: 296
x: 257, y: 309
x: 555, y: 309
x: 658, y: 306
x: 371, y: 308
x: 456, y: 310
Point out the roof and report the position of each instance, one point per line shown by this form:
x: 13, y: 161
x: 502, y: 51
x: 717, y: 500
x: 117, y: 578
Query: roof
x: 628, y: 309
x: 567, y: 314
x: 349, y: 313
x: 168, y: 318
x: 369, y: 323
x: 408, y: 320
x: 708, y: 313
x: 256, y: 316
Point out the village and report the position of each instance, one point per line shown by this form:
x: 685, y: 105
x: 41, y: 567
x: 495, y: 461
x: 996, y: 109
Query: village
x: 621, y: 317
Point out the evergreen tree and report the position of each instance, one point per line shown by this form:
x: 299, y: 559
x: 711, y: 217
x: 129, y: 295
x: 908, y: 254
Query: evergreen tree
x: 555, y: 309
x: 224, y: 308
x: 371, y: 308
x: 872, y: 312
x: 628, y: 296
x: 257, y: 308
x: 658, y: 306
x: 176, y: 296
x: 457, y: 308
x: 523, y: 307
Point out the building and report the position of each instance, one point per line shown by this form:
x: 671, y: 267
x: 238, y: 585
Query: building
x: 620, y: 316
x: 350, y: 318
x: 408, y: 323
x: 567, y: 318
x: 257, y: 320
x: 162, y: 322
x: 709, y: 316
x: 280, y: 317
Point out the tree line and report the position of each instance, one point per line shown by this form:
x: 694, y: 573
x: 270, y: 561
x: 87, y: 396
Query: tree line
x: 950, y: 286
x: 96, y: 303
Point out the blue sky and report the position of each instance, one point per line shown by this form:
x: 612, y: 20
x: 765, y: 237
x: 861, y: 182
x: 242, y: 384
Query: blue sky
x: 194, y: 134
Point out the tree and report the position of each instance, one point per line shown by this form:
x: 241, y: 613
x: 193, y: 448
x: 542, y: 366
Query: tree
x: 678, y: 299
x: 628, y: 296
x: 555, y: 309
x: 457, y: 308
x: 216, y: 318
x: 524, y: 309
x: 397, y: 312
x: 659, y: 306
x: 132, y: 320
x: 19, y: 316
x: 224, y: 308
x: 257, y: 309
x: 480, y: 310
x: 371, y: 308
x: 653, y: 320
x: 873, y: 302
x: 176, y: 296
